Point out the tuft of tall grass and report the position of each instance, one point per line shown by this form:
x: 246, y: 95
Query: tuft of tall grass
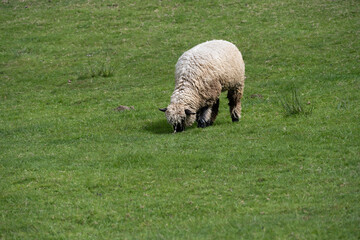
x: 294, y: 105
x: 98, y: 70
x: 104, y: 70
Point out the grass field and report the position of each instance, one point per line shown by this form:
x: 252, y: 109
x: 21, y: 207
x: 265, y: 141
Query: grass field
x: 72, y: 167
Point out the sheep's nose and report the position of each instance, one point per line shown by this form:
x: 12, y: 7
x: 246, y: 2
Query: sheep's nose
x: 178, y: 128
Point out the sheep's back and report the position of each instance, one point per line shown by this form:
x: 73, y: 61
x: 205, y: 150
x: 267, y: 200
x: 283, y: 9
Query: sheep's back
x: 211, y: 63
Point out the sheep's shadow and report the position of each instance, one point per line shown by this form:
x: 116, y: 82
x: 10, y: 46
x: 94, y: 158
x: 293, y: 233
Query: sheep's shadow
x: 163, y: 127
x: 158, y: 127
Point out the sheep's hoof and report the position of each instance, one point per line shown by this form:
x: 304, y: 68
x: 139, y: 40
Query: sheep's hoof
x: 235, y: 119
x: 203, y: 124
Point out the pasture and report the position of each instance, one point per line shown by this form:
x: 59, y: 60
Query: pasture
x: 73, y: 166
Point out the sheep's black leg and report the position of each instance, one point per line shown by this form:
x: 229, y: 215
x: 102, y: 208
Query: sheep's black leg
x: 214, y: 111
x: 203, y: 117
x: 234, y: 96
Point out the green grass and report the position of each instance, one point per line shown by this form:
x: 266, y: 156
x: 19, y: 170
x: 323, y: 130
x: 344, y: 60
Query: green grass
x: 294, y: 105
x: 96, y: 70
x: 73, y: 168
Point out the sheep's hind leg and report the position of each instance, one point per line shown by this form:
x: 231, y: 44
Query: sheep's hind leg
x: 203, y: 117
x: 234, y: 97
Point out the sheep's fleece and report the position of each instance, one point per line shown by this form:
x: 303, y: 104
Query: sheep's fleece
x: 201, y: 74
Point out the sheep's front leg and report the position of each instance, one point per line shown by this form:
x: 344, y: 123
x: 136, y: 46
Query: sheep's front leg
x: 234, y: 97
x: 214, y: 111
x: 203, y: 117
x: 207, y: 115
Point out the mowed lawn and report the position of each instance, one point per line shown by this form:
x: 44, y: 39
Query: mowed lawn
x: 72, y: 166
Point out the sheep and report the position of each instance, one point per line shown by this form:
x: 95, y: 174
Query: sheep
x: 201, y: 74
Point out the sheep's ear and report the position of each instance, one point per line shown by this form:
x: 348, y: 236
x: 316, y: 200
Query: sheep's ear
x: 163, y: 109
x: 189, y: 112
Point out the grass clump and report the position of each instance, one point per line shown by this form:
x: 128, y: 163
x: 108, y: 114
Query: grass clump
x: 104, y: 70
x: 294, y: 105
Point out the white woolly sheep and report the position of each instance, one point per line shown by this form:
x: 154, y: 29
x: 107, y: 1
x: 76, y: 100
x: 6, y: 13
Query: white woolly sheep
x: 201, y: 74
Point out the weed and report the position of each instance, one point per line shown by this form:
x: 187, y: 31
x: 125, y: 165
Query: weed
x: 294, y: 105
x: 104, y: 70
x: 342, y: 104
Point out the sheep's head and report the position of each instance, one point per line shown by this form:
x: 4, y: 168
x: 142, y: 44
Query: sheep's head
x: 178, y: 116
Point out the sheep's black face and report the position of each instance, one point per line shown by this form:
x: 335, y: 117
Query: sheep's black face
x: 177, y: 117
x: 179, y: 127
